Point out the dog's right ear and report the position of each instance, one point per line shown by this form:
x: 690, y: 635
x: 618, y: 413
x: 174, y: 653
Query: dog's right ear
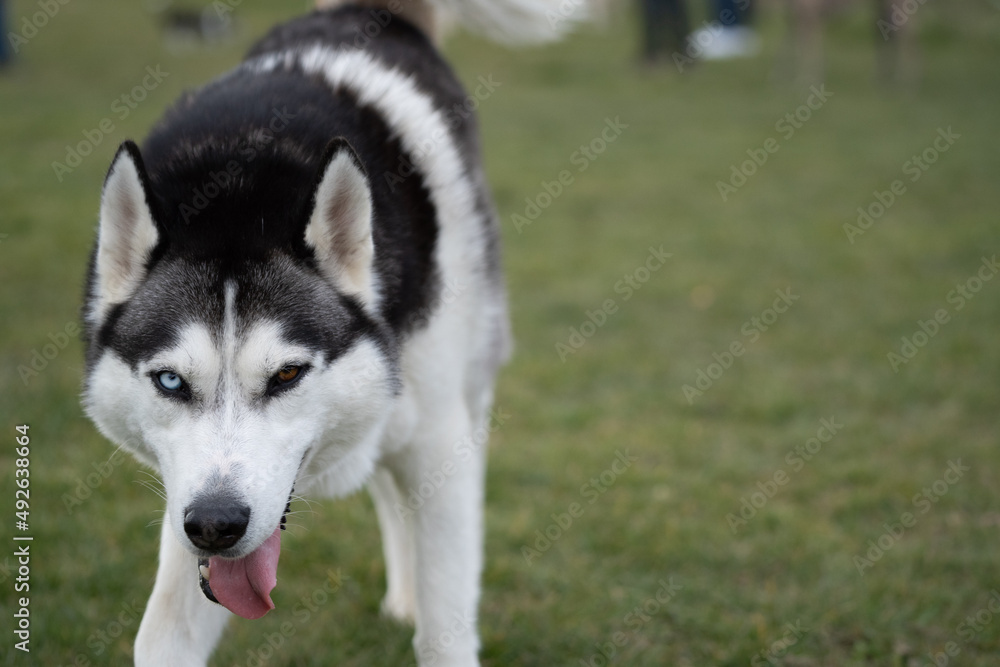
x: 127, y: 233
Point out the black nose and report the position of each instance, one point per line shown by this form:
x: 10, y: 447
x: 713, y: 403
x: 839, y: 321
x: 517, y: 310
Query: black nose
x: 214, y: 523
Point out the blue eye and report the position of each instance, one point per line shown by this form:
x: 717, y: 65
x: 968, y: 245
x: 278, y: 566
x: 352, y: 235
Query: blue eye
x: 171, y: 384
x: 170, y: 381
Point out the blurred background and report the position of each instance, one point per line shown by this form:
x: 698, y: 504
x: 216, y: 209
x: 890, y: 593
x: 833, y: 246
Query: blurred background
x: 751, y: 259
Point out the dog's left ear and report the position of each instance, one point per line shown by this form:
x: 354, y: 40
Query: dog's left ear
x: 340, y: 226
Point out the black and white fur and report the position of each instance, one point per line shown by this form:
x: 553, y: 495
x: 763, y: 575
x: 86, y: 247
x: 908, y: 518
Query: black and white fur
x: 355, y: 241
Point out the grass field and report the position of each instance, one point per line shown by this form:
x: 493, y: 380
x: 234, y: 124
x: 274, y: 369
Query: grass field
x: 809, y: 500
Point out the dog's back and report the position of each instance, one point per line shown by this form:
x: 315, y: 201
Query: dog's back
x: 233, y: 162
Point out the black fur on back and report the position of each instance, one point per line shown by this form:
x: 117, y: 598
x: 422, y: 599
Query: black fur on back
x: 230, y: 165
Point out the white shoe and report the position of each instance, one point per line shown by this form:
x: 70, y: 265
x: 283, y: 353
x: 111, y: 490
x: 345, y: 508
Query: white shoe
x: 722, y: 43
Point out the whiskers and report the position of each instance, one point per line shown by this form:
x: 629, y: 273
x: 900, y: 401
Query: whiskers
x: 297, y: 513
x: 154, y: 484
x: 157, y: 522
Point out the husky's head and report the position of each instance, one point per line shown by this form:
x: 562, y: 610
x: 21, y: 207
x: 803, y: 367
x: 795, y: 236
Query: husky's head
x: 236, y: 374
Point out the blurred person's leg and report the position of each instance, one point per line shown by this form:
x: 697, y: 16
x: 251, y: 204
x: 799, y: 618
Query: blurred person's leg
x: 679, y: 25
x: 895, y: 42
x: 804, y: 50
x: 665, y: 28
x: 5, y: 55
x: 652, y: 35
x: 729, y: 12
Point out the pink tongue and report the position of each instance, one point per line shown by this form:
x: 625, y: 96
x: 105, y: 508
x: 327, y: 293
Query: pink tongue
x: 244, y: 586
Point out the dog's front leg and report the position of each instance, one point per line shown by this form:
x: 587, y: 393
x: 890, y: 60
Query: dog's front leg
x: 180, y: 626
x: 447, y: 541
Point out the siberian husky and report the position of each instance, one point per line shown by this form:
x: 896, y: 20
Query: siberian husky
x: 296, y: 285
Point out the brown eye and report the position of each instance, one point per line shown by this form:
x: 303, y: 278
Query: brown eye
x: 286, y: 378
x: 288, y: 374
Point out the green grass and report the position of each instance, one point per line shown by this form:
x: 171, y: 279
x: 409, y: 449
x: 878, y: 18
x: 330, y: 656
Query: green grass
x: 664, y: 517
